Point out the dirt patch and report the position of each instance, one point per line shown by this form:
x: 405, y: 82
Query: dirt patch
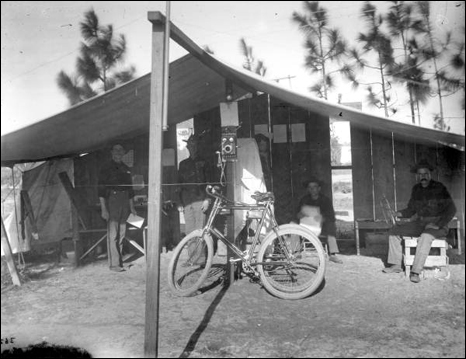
x: 359, y: 312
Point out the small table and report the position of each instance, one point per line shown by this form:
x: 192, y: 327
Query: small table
x: 367, y: 223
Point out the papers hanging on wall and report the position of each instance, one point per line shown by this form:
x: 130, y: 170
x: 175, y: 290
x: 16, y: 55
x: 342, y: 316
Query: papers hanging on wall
x: 279, y: 134
x: 298, y: 132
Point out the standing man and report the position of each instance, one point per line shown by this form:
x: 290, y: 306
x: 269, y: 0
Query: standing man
x: 115, y: 191
x: 327, y: 214
x: 194, y: 175
x: 430, y: 208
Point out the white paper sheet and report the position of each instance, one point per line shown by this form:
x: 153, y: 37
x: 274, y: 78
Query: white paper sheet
x: 135, y: 221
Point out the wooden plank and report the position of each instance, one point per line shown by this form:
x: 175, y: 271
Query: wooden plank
x: 363, y: 200
x: 244, y: 118
x: 382, y: 157
x: 244, y: 115
x: 319, y: 150
x: 281, y: 169
x: 92, y: 248
x: 405, y: 180
x: 154, y: 228
x: 208, y: 123
x: 436, y: 243
x: 9, y: 257
x: 76, y: 237
x: 135, y: 245
x: 301, y: 167
x: 230, y: 223
x: 431, y: 261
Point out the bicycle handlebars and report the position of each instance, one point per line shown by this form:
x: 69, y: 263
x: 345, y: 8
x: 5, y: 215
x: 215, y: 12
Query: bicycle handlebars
x: 214, y: 191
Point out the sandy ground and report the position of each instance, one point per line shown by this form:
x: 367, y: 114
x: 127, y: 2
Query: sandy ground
x: 359, y: 312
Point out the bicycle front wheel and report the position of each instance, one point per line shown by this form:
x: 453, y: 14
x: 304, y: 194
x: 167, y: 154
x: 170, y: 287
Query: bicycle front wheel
x: 190, y: 264
x: 291, y: 262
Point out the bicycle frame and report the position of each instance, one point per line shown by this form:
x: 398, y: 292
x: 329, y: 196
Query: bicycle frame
x: 222, y: 203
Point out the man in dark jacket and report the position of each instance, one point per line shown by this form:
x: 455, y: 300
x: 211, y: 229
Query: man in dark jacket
x: 430, y: 209
x: 194, y: 174
x: 115, y: 191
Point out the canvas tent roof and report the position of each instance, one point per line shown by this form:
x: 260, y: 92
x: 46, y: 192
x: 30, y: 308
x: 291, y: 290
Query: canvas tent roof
x: 197, y: 83
x: 120, y: 113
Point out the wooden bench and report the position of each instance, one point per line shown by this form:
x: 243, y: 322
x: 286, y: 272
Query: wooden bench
x: 440, y: 260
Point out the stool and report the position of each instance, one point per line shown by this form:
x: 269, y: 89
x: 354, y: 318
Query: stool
x: 432, y: 260
x: 323, y: 240
x: 309, y: 224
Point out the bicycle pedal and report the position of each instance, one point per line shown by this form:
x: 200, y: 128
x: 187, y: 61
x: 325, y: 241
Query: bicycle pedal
x: 254, y: 280
x: 233, y: 260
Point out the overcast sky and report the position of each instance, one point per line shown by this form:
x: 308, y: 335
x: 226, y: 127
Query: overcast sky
x: 40, y: 38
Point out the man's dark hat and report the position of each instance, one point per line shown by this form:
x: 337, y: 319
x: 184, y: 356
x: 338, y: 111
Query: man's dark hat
x: 196, y: 137
x: 192, y: 139
x: 422, y: 164
x: 312, y: 180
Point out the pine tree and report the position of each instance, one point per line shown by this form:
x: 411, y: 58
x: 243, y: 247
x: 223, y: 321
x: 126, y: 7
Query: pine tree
x: 97, y: 65
x: 437, y: 51
x: 250, y: 63
x: 375, y: 40
x: 324, y: 45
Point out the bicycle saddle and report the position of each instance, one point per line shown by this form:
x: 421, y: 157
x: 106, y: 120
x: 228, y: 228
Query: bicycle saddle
x: 262, y: 197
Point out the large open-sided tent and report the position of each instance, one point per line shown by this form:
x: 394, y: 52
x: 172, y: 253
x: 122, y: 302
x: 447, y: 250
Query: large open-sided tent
x: 196, y: 86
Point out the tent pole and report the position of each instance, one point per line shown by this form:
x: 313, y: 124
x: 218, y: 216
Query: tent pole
x: 154, y: 202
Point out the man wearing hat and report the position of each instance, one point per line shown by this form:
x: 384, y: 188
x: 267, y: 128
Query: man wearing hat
x: 194, y: 174
x: 429, y: 210
x: 315, y: 201
x: 115, y: 191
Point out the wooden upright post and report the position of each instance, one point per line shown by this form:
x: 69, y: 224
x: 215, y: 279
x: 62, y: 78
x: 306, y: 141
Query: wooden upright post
x: 77, y: 245
x: 229, y: 119
x: 155, y: 176
x: 230, y: 177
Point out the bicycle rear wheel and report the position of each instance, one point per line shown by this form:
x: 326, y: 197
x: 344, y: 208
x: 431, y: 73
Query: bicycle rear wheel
x: 190, y: 264
x: 293, y: 276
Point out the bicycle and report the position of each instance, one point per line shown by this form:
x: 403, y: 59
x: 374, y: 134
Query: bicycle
x: 289, y: 263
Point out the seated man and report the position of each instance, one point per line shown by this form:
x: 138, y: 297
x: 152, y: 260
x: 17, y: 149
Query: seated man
x: 321, y: 210
x: 430, y: 208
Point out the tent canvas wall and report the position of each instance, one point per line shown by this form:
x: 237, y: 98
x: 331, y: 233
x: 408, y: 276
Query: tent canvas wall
x: 50, y: 203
